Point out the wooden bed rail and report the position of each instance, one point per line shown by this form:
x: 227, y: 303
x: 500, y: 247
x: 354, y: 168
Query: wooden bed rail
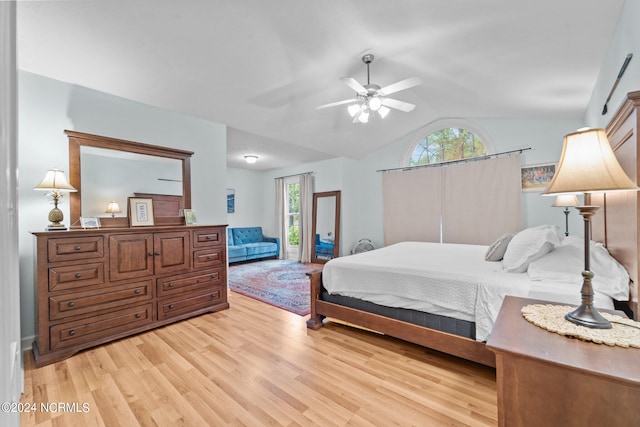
x: 454, y: 345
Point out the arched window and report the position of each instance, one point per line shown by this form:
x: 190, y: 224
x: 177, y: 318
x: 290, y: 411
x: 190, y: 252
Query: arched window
x: 446, y: 144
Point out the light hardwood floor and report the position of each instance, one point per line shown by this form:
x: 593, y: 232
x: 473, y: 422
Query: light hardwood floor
x: 255, y: 365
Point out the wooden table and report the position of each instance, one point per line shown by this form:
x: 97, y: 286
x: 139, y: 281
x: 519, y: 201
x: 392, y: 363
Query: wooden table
x: 546, y: 379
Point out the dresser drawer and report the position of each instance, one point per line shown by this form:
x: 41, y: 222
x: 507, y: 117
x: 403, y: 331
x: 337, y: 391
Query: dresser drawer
x: 186, y: 283
x: 75, y: 276
x: 208, y: 258
x: 78, y: 303
x: 173, y: 308
x: 72, y: 248
x: 106, y: 325
x: 208, y: 237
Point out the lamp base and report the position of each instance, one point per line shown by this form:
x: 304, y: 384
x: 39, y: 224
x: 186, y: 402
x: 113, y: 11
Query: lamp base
x: 587, y: 315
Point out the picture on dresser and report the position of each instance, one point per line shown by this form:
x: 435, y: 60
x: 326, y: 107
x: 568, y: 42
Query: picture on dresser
x: 89, y: 222
x: 140, y: 211
x: 190, y: 217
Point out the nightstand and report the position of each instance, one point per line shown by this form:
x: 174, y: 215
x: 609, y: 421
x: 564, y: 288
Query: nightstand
x: 546, y: 379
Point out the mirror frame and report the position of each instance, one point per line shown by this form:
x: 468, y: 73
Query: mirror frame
x: 79, y: 139
x: 336, y: 228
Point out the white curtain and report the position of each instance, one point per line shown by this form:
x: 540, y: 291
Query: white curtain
x: 306, y: 218
x: 412, y: 205
x: 481, y: 200
x: 472, y: 202
x: 281, y: 199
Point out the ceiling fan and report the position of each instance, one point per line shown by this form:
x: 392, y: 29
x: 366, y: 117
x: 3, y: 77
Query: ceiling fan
x: 371, y: 97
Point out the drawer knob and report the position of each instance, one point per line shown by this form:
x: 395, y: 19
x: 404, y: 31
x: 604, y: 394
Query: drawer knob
x: 157, y: 254
x: 171, y: 306
x: 171, y: 285
x: 150, y: 254
x: 208, y: 238
x: 214, y: 275
x: 72, y: 304
x: 137, y: 291
x: 72, y: 332
x: 138, y: 315
x: 209, y: 257
x: 77, y: 248
x: 78, y: 275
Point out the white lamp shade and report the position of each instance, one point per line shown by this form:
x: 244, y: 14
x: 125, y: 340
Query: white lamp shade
x: 353, y: 109
x: 565, y: 201
x: 54, y: 180
x: 588, y: 165
x: 383, y: 111
x: 113, y: 207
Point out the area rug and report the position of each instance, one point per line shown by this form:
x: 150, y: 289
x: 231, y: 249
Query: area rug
x: 282, y: 283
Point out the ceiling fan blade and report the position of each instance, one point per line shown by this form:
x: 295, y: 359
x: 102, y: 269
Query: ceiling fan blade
x: 398, y: 105
x: 401, y: 85
x: 333, y: 104
x: 353, y: 84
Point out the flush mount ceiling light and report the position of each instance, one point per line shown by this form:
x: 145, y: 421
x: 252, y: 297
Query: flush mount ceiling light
x: 251, y: 159
x: 371, y: 97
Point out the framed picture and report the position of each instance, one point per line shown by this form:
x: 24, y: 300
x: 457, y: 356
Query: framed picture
x: 189, y: 216
x: 89, y: 222
x: 140, y: 211
x: 537, y: 177
x: 231, y: 200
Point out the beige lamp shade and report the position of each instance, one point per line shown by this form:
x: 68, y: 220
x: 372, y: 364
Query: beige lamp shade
x: 565, y: 201
x: 588, y: 165
x: 113, y: 208
x: 55, y: 180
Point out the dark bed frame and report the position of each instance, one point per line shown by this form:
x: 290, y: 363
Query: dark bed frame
x: 619, y: 214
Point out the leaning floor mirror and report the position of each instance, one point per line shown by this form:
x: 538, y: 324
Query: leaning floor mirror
x: 326, y: 226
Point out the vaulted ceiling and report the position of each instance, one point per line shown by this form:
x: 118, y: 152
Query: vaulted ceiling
x: 261, y: 67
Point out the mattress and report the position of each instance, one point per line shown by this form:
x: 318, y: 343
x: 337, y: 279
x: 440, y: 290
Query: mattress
x: 451, y: 280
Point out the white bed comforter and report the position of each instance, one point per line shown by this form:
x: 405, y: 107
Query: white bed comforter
x: 447, y: 279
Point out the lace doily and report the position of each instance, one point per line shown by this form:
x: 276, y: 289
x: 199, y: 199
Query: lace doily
x: 624, y: 333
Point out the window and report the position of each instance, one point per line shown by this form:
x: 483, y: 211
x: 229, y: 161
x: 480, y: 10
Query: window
x: 446, y: 144
x: 292, y: 217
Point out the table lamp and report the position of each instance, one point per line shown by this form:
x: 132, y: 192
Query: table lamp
x: 565, y: 201
x: 113, y: 209
x: 588, y: 165
x: 56, y: 183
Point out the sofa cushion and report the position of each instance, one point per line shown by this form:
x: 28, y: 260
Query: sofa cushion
x: 260, y: 248
x: 237, y: 251
x: 245, y: 235
x: 230, y: 237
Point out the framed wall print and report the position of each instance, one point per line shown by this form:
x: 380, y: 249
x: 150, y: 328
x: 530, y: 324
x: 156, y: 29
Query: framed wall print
x: 231, y: 200
x: 140, y: 211
x: 89, y: 222
x: 537, y: 177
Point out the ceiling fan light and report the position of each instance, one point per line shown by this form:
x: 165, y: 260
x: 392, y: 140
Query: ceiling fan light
x: 375, y: 103
x: 364, y: 116
x: 383, y: 111
x: 353, y: 109
x: 251, y: 159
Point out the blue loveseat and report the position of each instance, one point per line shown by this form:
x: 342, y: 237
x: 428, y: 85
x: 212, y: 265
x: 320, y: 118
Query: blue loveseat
x: 247, y: 243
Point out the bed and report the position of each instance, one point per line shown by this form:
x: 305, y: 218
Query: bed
x: 349, y: 288
x: 451, y: 294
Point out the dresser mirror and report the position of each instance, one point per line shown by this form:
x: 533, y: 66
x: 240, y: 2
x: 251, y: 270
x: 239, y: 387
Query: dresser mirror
x: 326, y: 226
x: 106, y: 169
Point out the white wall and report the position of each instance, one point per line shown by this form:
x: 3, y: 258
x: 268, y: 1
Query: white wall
x: 48, y: 107
x: 11, y: 372
x: 625, y: 40
x: 249, y: 209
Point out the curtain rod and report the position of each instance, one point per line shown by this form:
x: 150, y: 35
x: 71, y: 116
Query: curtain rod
x: 295, y: 174
x: 470, y: 159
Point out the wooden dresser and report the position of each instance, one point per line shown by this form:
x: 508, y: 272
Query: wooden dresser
x: 94, y: 286
x: 546, y: 379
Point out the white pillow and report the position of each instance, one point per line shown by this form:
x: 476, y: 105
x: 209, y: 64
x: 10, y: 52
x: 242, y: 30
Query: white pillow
x: 529, y: 245
x: 566, y: 262
x: 498, y: 248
